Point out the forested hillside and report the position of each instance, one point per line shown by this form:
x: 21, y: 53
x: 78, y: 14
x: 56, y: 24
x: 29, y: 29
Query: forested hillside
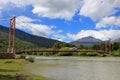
x: 24, y: 40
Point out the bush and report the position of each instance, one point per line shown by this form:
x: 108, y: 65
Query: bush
x: 92, y: 54
x: 79, y: 54
x: 9, y: 61
x: 30, y: 59
x: 34, y: 53
x: 48, y: 53
x: 64, y: 54
x: 116, y: 53
x: 86, y: 54
x: 40, y: 53
x: 29, y: 53
x: 22, y: 56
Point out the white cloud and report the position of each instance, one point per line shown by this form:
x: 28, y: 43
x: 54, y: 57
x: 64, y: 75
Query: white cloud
x: 101, y: 34
x: 60, y: 31
x: 64, y: 9
x: 25, y: 23
x: 59, y: 37
x: 97, y: 9
x: 8, y: 4
x: 108, y: 21
x: 25, y: 19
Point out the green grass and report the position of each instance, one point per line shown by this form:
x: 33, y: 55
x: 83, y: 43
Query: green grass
x: 116, y: 53
x: 11, y: 69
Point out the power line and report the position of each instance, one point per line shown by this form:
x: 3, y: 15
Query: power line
x: 4, y: 19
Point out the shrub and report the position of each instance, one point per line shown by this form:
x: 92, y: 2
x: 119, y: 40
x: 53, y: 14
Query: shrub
x: 40, y: 53
x: 92, y: 54
x: 64, y: 54
x: 79, y: 54
x: 116, y: 53
x: 47, y: 53
x: 9, y: 61
x: 30, y: 59
x: 29, y: 53
x: 34, y: 53
x: 85, y: 54
x: 22, y: 56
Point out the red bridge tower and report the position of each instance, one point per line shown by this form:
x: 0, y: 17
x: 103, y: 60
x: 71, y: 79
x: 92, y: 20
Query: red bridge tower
x: 11, y: 36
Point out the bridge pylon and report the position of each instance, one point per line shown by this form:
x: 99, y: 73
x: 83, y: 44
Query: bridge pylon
x: 108, y: 47
x: 11, y: 36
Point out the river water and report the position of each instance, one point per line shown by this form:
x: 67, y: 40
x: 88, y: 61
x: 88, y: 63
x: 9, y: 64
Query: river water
x: 76, y: 68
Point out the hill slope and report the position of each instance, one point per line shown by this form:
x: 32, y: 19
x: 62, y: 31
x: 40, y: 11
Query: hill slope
x: 87, y: 41
x: 18, y: 45
x: 26, y: 38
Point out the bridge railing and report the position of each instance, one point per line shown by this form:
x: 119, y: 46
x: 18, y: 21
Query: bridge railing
x: 57, y: 50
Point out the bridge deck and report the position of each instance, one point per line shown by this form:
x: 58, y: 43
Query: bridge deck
x: 57, y: 50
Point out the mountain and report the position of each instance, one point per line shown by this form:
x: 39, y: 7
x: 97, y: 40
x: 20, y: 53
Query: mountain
x: 116, y: 40
x: 87, y: 41
x: 28, y: 38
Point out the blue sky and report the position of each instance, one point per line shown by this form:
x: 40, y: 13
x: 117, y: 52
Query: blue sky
x: 64, y: 20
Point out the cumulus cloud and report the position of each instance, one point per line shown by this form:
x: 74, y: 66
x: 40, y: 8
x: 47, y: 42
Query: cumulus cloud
x: 97, y: 9
x: 9, y: 4
x: 59, y: 37
x: 108, y: 21
x: 101, y: 34
x: 25, y: 23
x: 64, y: 9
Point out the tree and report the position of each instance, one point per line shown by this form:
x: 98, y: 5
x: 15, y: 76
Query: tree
x: 115, y: 46
x: 68, y: 45
x: 102, y: 46
x: 96, y: 47
x: 81, y: 47
x: 65, y: 45
x: 57, y: 45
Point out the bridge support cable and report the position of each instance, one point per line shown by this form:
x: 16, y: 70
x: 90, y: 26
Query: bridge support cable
x: 11, y: 36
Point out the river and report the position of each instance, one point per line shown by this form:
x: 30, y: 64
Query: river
x: 76, y: 68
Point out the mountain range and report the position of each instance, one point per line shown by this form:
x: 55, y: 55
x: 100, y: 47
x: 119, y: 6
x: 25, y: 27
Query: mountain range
x: 89, y: 41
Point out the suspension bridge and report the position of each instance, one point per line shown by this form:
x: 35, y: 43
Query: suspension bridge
x: 11, y: 44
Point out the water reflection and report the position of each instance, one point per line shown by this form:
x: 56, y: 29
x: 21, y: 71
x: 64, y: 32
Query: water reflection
x: 77, y: 68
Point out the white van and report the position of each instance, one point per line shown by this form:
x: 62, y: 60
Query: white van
x: 73, y: 49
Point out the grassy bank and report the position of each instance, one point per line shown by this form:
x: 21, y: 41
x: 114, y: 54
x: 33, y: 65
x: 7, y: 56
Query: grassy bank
x: 12, y: 70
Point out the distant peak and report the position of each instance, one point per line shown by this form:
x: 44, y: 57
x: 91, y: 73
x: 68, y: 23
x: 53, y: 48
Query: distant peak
x: 89, y: 37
